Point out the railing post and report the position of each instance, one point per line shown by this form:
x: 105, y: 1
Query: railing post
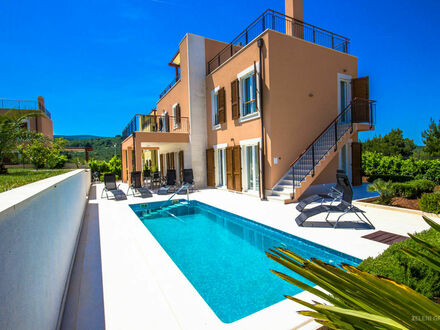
x: 333, y: 41
x: 246, y: 36
x: 293, y: 176
x: 231, y: 50
x: 336, y: 135
x: 313, y: 160
x: 314, y: 35
x: 218, y: 58
x: 264, y: 22
x: 273, y: 21
x: 351, y: 116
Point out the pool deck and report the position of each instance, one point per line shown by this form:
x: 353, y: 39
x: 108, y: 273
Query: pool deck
x: 123, y: 279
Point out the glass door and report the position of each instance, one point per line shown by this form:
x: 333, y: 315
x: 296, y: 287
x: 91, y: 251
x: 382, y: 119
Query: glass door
x: 221, y: 168
x: 252, y: 175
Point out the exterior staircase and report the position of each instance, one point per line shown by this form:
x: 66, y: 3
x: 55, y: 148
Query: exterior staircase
x: 312, y: 161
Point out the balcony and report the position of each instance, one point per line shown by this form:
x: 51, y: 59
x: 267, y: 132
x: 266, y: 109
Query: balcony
x: 22, y: 105
x: 284, y: 24
x: 170, y: 85
x: 156, y: 124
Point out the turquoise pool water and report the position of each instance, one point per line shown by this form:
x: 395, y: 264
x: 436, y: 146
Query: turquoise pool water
x: 223, y: 255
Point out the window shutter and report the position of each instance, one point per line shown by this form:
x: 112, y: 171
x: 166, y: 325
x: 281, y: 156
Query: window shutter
x: 229, y: 169
x: 360, y: 109
x: 210, y: 167
x: 356, y: 163
x: 178, y: 113
x: 221, y: 104
x: 162, y: 164
x: 181, y: 165
x: 235, y: 97
x: 237, y: 168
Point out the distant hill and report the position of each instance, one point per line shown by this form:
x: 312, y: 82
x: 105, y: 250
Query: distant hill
x: 104, y: 148
x: 76, y: 137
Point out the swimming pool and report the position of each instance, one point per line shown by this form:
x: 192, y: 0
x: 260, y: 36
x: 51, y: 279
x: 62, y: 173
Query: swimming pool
x: 223, y: 255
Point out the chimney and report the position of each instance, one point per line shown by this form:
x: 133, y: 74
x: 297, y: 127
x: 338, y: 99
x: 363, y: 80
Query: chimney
x: 41, y: 103
x: 294, y: 8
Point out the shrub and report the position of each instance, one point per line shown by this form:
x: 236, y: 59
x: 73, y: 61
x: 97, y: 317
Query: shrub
x: 101, y: 177
x: 430, y: 202
x: 394, y: 264
x: 412, y: 189
x: 384, y: 188
x: 389, y: 177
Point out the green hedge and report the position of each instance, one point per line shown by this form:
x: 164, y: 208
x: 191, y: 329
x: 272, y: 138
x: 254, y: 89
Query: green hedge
x: 430, y: 202
x: 393, y: 263
x: 389, y: 177
x: 101, y: 177
x: 377, y: 164
x: 101, y: 166
x: 412, y: 189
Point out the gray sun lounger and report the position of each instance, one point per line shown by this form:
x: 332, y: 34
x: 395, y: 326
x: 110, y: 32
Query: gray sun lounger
x: 344, y: 207
x: 188, y: 182
x: 110, y: 186
x: 136, y: 186
x: 170, y: 185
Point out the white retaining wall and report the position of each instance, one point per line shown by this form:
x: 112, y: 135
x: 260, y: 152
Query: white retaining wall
x: 39, y: 226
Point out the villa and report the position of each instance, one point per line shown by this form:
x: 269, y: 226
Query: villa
x: 272, y: 113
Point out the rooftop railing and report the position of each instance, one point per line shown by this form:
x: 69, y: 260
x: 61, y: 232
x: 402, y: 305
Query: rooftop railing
x: 159, y: 124
x: 170, y: 85
x: 22, y: 105
x: 273, y: 20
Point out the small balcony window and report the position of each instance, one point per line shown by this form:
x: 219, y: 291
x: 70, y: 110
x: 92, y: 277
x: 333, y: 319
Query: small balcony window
x: 248, y: 92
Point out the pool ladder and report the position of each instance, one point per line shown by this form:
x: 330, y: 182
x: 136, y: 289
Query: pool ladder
x: 178, y: 190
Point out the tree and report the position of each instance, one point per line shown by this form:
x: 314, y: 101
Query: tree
x: 391, y: 144
x: 42, y: 152
x: 13, y: 133
x: 431, y: 139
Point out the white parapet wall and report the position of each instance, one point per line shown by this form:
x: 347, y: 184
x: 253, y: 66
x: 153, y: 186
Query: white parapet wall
x: 39, y: 227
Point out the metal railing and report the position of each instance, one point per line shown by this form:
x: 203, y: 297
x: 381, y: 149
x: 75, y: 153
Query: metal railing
x: 276, y: 21
x: 358, y: 111
x: 22, y: 105
x: 160, y: 124
x: 170, y: 85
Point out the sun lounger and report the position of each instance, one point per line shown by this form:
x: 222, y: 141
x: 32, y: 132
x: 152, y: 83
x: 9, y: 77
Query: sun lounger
x: 188, y: 182
x: 111, y: 187
x: 170, y: 184
x: 136, y: 186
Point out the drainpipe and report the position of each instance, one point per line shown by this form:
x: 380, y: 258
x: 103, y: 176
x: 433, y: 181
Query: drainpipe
x: 260, y: 44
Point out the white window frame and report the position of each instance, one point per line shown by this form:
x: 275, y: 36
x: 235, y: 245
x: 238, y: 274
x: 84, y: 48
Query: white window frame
x: 243, y: 145
x: 218, y: 148
x: 214, y: 108
x: 175, y: 123
x: 347, y: 78
x: 241, y: 78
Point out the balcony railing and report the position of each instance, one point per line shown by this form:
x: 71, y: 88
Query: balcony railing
x: 273, y: 20
x: 22, y: 105
x: 160, y: 124
x: 170, y: 85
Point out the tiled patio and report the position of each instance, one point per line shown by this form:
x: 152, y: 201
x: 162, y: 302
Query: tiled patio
x: 123, y: 279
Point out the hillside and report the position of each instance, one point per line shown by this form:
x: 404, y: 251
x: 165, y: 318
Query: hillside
x: 76, y: 137
x: 103, y: 147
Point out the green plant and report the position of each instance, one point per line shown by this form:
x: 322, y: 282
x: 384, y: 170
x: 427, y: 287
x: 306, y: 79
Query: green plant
x: 412, y: 189
x: 391, y: 144
x: 384, y: 188
x: 101, y: 177
x: 430, y: 202
x: 431, y: 139
x: 42, y: 152
x: 12, y: 133
x: 389, y: 177
x: 359, y: 300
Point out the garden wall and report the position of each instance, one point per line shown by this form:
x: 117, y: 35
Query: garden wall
x: 39, y: 226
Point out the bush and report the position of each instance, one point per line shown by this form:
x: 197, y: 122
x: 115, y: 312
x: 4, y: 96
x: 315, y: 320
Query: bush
x: 430, y: 203
x: 384, y: 188
x: 101, y: 166
x: 396, y: 265
x: 389, y: 177
x: 374, y: 163
x: 101, y: 177
x: 412, y: 189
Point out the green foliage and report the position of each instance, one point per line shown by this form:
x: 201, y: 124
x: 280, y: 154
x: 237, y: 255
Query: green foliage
x: 374, y: 163
x: 101, y: 176
x: 391, y: 144
x: 394, y: 263
x: 412, y: 189
x: 101, y: 166
x: 357, y: 299
x: 42, y: 152
x: 103, y: 147
x: 384, y: 188
x: 431, y: 139
x: 12, y: 133
x: 430, y: 202
x: 17, y: 177
x: 389, y: 177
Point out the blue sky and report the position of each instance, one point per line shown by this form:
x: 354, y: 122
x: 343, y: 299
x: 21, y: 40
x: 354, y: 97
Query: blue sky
x: 99, y: 62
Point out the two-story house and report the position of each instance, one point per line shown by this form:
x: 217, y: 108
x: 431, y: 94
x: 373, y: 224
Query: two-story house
x: 272, y: 113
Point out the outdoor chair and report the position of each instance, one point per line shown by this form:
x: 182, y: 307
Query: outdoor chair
x: 344, y: 207
x: 170, y: 185
x: 155, y: 180
x: 111, y: 186
x: 187, y: 182
x: 136, y: 186
x: 334, y: 194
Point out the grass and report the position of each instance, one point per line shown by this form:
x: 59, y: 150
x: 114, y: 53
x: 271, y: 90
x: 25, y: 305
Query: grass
x: 20, y: 176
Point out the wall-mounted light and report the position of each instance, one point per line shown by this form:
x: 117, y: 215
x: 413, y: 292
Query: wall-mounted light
x: 311, y: 95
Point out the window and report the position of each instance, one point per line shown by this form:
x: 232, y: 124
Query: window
x: 214, y: 108
x: 250, y: 161
x: 220, y: 167
x: 248, y: 92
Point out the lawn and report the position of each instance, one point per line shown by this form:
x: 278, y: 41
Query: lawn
x: 20, y: 176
